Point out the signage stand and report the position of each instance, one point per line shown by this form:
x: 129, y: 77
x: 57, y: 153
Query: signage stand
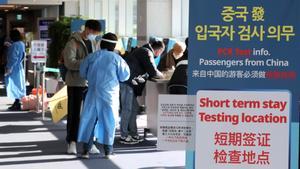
x: 39, y: 58
x: 40, y: 83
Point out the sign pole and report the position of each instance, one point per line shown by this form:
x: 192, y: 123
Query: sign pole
x: 34, y: 75
x: 43, y: 86
x: 37, y: 87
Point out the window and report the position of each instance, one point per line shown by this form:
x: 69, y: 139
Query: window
x: 120, y: 15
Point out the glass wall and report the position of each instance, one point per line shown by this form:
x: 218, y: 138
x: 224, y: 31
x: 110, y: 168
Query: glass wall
x: 134, y: 17
x: 120, y: 15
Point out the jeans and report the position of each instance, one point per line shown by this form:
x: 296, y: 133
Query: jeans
x: 129, y: 110
x: 108, y: 149
x: 87, y: 146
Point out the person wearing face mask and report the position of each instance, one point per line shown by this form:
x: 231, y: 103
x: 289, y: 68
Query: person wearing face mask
x: 78, y: 47
x: 103, y: 69
x: 178, y: 81
x: 142, y: 66
x: 169, y: 60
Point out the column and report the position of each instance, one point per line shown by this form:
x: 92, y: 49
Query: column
x: 71, y: 8
x: 176, y: 18
x: 154, y: 19
x: 129, y: 17
x: 51, y: 11
x: 185, y: 18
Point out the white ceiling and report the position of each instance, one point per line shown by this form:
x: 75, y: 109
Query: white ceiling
x: 35, y: 2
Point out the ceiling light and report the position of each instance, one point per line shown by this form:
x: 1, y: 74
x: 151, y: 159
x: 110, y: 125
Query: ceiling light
x: 7, y: 6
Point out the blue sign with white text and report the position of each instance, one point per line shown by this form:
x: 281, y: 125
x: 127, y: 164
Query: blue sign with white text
x: 3, y: 1
x: 246, y: 45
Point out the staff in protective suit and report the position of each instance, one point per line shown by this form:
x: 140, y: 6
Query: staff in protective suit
x: 103, y: 69
x: 14, y: 71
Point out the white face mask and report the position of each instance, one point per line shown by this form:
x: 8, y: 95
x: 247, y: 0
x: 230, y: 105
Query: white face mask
x: 98, y: 38
x: 92, y: 37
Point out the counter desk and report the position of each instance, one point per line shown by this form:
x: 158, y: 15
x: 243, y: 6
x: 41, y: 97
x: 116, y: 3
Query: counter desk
x: 154, y: 87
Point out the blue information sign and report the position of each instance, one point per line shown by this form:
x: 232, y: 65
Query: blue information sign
x: 246, y: 45
x: 3, y: 1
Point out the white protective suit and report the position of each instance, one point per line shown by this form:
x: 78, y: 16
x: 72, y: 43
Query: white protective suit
x: 103, y: 70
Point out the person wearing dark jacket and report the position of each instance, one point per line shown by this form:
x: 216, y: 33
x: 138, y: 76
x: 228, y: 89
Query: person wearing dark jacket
x: 168, y: 61
x: 142, y: 66
x: 178, y: 81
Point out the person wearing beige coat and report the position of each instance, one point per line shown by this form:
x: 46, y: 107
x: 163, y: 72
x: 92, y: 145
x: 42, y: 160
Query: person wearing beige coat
x: 77, y: 48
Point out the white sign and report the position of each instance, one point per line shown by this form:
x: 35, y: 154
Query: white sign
x: 176, y: 122
x: 242, y: 129
x: 38, y: 51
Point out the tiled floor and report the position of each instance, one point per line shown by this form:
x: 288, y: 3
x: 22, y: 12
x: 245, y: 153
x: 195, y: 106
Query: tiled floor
x: 27, y: 142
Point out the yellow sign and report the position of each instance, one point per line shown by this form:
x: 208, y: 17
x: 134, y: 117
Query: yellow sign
x: 59, y: 105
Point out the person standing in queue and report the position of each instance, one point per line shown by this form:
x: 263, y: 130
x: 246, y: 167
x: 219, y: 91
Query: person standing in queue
x: 103, y: 69
x: 14, y: 70
x: 178, y: 81
x: 77, y: 48
x: 142, y: 66
x: 168, y: 60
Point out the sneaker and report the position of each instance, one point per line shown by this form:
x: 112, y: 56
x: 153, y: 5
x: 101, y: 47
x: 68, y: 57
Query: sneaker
x: 137, y: 138
x: 72, y: 148
x: 85, y: 155
x: 94, y: 150
x: 128, y: 140
x: 109, y: 155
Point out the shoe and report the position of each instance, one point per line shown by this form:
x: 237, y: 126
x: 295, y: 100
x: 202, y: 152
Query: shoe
x: 15, y: 107
x: 94, y: 150
x: 137, y: 138
x: 109, y: 155
x: 72, y: 148
x: 128, y: 140
x: 85, y: 155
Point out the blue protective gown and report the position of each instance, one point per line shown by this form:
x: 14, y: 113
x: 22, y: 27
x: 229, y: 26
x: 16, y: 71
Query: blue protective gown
x: 103, y: 70
x: 15, y: 81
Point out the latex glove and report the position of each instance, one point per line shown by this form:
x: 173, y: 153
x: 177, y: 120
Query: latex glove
x: 159, y: 75
x: 7, y: 44
x: 140, y: 79
x: 133, y: 81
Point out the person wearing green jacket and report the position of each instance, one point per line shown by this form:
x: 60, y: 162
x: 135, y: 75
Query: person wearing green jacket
x: 77, y: 48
